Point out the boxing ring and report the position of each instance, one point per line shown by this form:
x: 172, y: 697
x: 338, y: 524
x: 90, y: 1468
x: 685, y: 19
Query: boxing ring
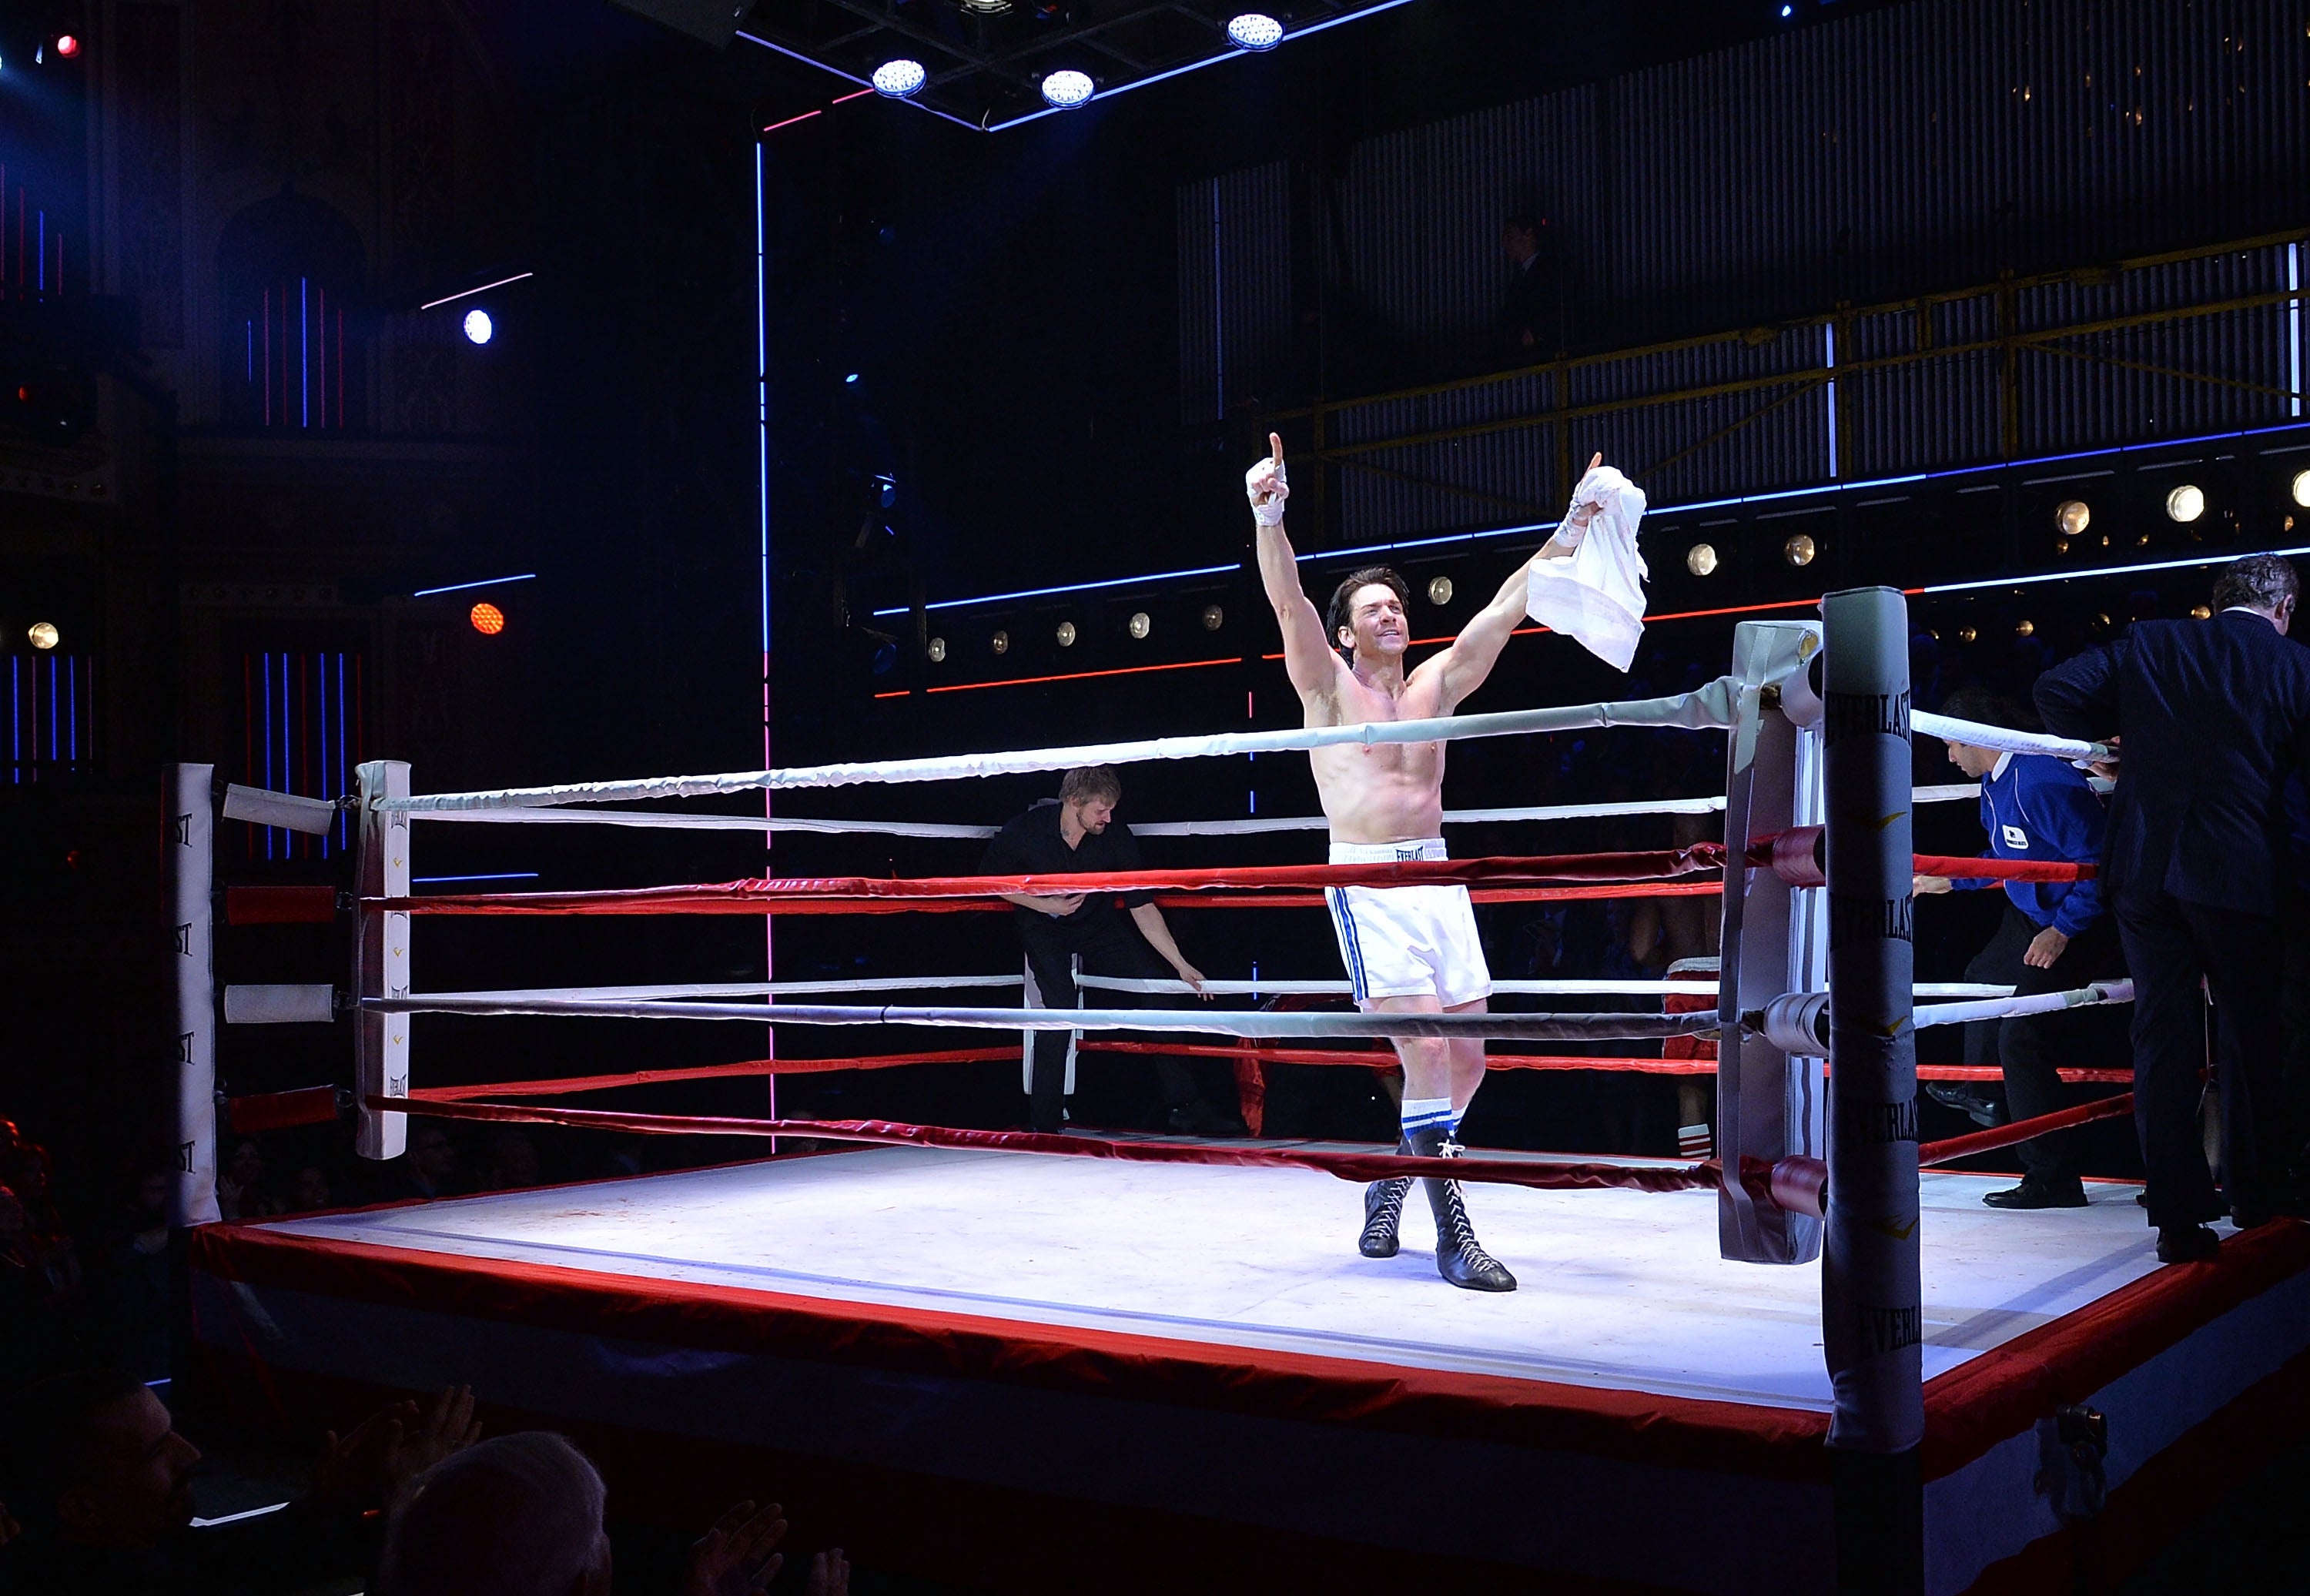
x: 1026, y: 1362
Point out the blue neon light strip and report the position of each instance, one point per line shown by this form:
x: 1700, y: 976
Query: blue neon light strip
x: 510, y: 875
x: 1671, y: 510
x: 2108, y: 570
x: 468, y: 587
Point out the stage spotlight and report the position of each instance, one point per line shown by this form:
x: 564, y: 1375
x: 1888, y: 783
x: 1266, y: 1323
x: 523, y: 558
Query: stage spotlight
x: 1800, y: 549
x: 1067, y: 89
x: 1439, y: 591
x: 1700, y: 559
x: 479, y: 327
x: 2186, y: 503
x: 2073, y: 518
x: 1140, y: 624
x: 895, y: 80
x: 1966, y: 634
x: 1253, y: 31
x: 2201, y: 612
x: 67, y: 46
x: 937, y: 651
x: 850, y: 380
x: 44, y: 635
x: 2302, y: 487
x: 1000, y: 642
x: 2023, y: 629
x: 1065, y: 634
x: 1213, y: 618
x: 488, y: 619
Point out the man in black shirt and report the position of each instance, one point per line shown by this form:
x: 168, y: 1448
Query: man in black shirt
x: 1077, y: 835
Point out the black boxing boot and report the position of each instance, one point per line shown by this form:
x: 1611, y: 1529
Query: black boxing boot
x: 1459, y: 1258
x: 1383, y: 1211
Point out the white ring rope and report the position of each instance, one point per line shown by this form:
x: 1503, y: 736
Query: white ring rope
x: 2005, y: 739
x: 1957, y: 793
x: 732, y: 989
x: 1707, y: 709
x: 2045, y: 1002
x: 1558, y: 988
x: 1225, y: 1023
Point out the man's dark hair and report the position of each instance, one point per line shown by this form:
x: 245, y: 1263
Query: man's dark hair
x: 1522, y: 221
x: 46, y: 1439
x: 1989, y: 708
x: 1091, y: 781
x: 1343, y: 608
x: 2261, y: 581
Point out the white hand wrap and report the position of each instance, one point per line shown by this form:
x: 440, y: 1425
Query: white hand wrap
x: 1270, y: 514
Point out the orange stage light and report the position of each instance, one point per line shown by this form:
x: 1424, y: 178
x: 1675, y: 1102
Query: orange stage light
x: 488, y: 620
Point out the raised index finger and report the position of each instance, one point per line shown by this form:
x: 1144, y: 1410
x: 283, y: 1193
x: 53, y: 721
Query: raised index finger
x: 1275, y: 447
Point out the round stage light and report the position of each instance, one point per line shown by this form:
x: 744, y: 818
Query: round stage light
x: 1700, y: 559
x: 1000, y: 642
x: 937, y: 651
x: 1140, y: 624
x: 1439, y: 591
x: 1800, y: 549
x: 44, y: 635
x: 2073, y: 518
x: 2201, y: 612
x: 2186, y: 503
x: 1253, y: 31
x: 2302, y: 487
x: 488, y: 619
x: 479, y: 327
x: 895, y: 80
x: 1213, y: 618
x: 1067, y: 89
x: 1065, y: 634
x: 2023, y: 629
x: 1966, y: 634
x: 67, y: 46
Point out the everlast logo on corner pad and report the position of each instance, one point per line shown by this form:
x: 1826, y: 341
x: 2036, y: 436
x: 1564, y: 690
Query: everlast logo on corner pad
x: 184, y: 1157
x: 1889, y: 1329
x: 1865, y: 714
x: 1881, y: 1122
x: 1871, y: 919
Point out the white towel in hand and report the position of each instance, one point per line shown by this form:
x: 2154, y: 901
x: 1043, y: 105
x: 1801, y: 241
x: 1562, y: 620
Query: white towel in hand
x: 1596, y: 594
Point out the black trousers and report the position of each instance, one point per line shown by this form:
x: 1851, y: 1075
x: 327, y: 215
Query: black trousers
x: 2031, y: 1048
x: 2170, y: 945
x: 1111, y: 946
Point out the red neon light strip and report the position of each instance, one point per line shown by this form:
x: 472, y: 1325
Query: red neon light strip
x: 790, y: 121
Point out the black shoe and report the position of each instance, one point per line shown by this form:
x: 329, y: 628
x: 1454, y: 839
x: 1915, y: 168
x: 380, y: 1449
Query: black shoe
x: 1199, y: 1119
x: 2186, y: 1243
x: 1383, y: 1212
x: 1952, y: 1094
x: 1459, y: 1258
x: 2031, y: 1194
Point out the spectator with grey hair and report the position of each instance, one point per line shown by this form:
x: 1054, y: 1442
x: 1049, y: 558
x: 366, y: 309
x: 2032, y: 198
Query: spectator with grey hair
x: 2214, y: 716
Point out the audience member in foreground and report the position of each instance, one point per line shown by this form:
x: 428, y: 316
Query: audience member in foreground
x: 522, y: 1515
x: 93, y: 1465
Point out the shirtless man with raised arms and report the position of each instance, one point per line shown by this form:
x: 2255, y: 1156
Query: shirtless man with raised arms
x: 1408, y: 950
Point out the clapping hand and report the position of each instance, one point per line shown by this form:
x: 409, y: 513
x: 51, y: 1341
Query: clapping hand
x: 392, y: 1447
x: 739, y: 1554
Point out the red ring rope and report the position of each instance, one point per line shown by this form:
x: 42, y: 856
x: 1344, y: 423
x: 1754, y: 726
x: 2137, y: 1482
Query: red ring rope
x: 2021, y: 1130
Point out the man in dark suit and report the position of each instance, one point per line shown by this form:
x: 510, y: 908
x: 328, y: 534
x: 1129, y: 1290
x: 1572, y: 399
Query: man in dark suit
x: 2214, y: 715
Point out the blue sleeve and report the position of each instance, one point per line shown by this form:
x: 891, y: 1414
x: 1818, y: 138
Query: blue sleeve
x: 1973, y: 883
x: 2073, y: 819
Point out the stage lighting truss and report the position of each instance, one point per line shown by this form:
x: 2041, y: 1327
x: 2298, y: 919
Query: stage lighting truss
x: 985, y: 71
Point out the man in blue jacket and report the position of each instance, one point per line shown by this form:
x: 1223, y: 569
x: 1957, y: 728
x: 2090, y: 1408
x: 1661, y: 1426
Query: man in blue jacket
x: 2054, y: 937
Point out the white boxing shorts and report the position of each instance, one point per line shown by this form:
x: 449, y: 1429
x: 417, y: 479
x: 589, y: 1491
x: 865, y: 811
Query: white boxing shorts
x: 1407, y: 941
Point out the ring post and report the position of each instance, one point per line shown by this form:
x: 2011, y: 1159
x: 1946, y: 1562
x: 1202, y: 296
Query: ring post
x: 381, y: 959
x: 191, y: 868
x: 1871, y: 1312
x: 1768, y: 1100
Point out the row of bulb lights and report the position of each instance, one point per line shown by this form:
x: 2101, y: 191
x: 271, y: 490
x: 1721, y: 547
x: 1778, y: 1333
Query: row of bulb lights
x: 1142, y: 625
x: 2183, y: 504
x: 1066, y: 90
